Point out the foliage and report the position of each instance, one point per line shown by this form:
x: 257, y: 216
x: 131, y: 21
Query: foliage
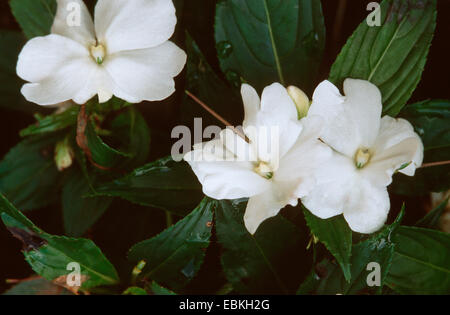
x: 118, y: 156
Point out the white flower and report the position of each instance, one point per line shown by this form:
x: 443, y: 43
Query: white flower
x: 231, y: 168
x: 368, y: 151
x: 126, y: 54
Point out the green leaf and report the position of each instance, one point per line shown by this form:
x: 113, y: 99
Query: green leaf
x: 431, y: 220
x: 135, y: 291
x: 336, y: 235
x: 421, y: 263
x: 52, y: 123
x: 11, y: 43
x: 102, y: 154
x: 327, y: 278
x: 37, y: 286
x: 28, y: 174
x: 164, y: 184
x: 263, y: 263
x: 393, y: 55
x: 159, y: 290
x: 174, y: 257
x: 49, y: 255
x: 134, y: 135
x: 266, y: 41
x: 80, y: 212
x: 431, y: 120
x: 35, y: 17
x: 204, y: 83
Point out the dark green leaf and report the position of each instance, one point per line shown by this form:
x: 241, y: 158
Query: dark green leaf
x: 266, y: 41
x: 102, y: 154
x: 135, y: 291
x: 35, y: 17
x: 431, y: 120
x: 28, y: 174
x: 134, y: 135
x: 175, y: 256
x: 50, y: 255
x: 52, y: 123
x: 421, y: 263
x: 264, y: 263
x: 327, y: 278
x: 80, y: 212
x: 159, y: 290
x: 393, y: 55
x: 335, y: 234
x: 162, y: 184
x: 37, y: 286
x: 204, y: 83
x: 431, y: 220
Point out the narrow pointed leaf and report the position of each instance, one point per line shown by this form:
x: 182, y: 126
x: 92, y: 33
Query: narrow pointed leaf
x: 49, y: 255
x: 174, y: 257
x: 335, y: 234
x: 162, y: 184
x: 393, y: 55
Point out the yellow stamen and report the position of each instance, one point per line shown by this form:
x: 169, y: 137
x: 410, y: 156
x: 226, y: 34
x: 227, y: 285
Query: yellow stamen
x: 98, y: 52
x: 362, y: 157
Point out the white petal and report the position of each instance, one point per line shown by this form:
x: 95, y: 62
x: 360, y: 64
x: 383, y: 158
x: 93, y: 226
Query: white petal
x: 238, y: 146
x: 252, y: 104
x: 224, y: 179
x: 260, y: 208
x: 146, y: 74
x: 368, y: 208
x: 276, y: 102
x: 305, y: 158
x: 364, y: 102
x: 351, y: 121
x: 66, y: 19
x: 333, y: 187
x: 127, y: 25
x: 275, y: 127
x: 59, y: 69
x: 394, y: 131
x: 383, y: 164
x: 43, y: 56
x: 78, y: 81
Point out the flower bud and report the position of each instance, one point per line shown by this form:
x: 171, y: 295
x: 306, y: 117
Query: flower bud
x: 63, y: 155
x: 300, y: 99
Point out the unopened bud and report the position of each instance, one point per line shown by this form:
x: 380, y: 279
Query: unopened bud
x: 300, y: 99
x: 63, y: 155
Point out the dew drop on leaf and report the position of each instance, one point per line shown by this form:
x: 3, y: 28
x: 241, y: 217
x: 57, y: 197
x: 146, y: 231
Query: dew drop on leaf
x: 224, y: 49
x: 234, y: 78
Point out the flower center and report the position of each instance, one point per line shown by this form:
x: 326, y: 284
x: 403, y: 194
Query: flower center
x: 362, y: 157
x: 264, y: 169
x: 98, y: 52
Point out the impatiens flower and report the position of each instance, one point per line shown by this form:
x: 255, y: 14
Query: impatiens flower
x: 368, y: 151
x: 126, y: 53
x: 274, y: 168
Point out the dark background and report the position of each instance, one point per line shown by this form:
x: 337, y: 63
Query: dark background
x: 125, y: 224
